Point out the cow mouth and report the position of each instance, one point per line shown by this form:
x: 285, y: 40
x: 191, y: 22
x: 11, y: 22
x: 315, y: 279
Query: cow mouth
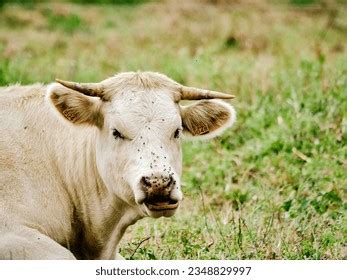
x: 162, y: 205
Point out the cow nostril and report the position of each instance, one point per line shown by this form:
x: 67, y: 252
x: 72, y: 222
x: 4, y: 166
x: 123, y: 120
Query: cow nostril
x: 146, y: 181
x: 170, y: 180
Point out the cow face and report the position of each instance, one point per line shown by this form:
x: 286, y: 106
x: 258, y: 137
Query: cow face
x: 140, y: 126
x: 139, y: 149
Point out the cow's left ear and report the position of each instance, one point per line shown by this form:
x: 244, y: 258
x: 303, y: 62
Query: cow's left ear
x: 207, y: 119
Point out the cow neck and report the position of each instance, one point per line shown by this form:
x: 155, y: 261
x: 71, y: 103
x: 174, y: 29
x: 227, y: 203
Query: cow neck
x: 99, y: 218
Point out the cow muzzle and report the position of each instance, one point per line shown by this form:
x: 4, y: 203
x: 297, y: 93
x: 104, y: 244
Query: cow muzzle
x: 160, y: 198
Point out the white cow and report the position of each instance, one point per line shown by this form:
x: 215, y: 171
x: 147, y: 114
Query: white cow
x: 79, y: 163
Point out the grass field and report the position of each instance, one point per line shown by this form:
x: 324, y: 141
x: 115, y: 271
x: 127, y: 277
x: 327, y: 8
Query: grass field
x: 272, y: 187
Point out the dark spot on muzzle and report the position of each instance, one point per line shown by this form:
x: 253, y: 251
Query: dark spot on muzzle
x: 157, y: 187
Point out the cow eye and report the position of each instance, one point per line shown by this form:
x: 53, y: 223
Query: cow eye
x: 117, y: 134
x: 177, y: 133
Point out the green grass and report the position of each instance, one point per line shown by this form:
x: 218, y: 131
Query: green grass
x: 272, y: 187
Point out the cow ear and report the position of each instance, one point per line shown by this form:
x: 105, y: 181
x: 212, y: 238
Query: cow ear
x: 75, y: 106
x: 207, y: 119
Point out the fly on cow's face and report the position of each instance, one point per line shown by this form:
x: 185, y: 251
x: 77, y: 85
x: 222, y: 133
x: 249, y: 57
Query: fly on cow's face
x: 117, y: 134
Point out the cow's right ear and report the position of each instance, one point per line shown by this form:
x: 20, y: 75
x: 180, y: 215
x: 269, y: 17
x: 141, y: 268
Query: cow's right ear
x: 74, y: 106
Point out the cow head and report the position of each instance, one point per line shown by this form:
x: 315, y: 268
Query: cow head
x: 139, y: 124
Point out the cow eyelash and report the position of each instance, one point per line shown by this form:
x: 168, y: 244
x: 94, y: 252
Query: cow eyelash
x: 117, y: 134
x: 177, y: 133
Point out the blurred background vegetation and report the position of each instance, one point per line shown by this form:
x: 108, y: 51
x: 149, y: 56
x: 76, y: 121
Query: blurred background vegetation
x: 274, y: 186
